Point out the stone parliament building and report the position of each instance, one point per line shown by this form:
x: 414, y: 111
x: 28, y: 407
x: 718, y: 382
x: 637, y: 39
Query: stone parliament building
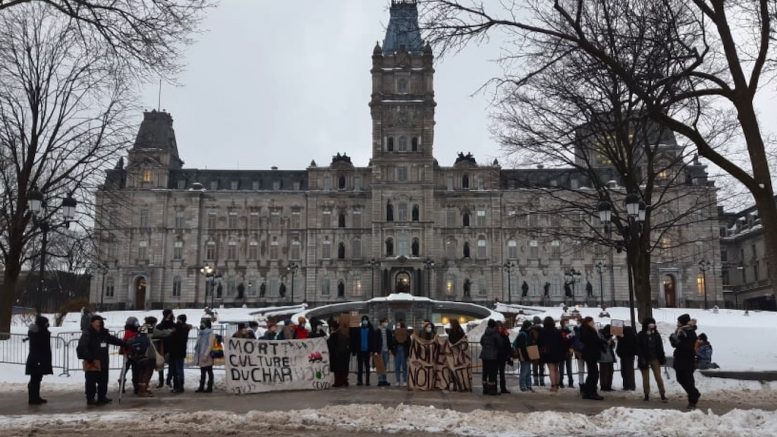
x: 339, y: 232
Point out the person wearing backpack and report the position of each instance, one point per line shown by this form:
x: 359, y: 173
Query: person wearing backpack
x: 627, y: 350
x: 520, y: 343
x: 203, y: 355
x: 566, y: 339
x: 143, y: 359
x: 577, y: 351
x: 538, y: 368
x: 131, y: 327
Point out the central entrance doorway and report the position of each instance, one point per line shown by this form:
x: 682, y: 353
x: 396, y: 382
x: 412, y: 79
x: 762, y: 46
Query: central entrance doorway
x: 140, y: 293
x: 402, y: 283
x: 670, y: 295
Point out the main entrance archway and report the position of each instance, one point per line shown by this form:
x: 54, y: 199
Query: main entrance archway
x: 140, y: 293
x: 402, y: 283
x: 670, y: 293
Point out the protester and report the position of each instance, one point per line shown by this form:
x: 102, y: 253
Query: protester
x: 386, y: 341
x: 577, y: 351
x: 538, y: 369
x: 592, y: 351
x: 166, y: 325
x: 505, y: 356
x: 490, y: 343
x: 178, y: 343
x: 38, y: 358
x: 427, y: 330
x: 650, y: 356
x: 131, y: 327
x: 401, y: 352
x: 339, y: 352
x: 253, y: 327
x: 626, y: 351
x: 288, y: 332
x: 316, y: 328
x: 143, y: 359
x: 364, y: 343
x: 86, y: 318
x: 551, y: 350
x: 607, y: 359
x: 202, y: 357
x: 271, y: 333
x: 93, y: 349
x: 684, y: 340
x: 455, y: 332
x: 566, y: 362
x: 704, y: 353
x: 300, y: 331
x: 520, y: 344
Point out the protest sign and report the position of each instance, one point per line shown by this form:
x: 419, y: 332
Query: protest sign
x: 616, y: 327
x: 255, y: 366
x: 439, y: 365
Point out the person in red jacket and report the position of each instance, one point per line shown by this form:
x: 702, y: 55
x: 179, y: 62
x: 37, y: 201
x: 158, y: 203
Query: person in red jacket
x: 131, y: 327
x: 300, y: 332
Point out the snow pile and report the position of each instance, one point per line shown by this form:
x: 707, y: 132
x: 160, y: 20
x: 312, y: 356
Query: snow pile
x: 412, y: 419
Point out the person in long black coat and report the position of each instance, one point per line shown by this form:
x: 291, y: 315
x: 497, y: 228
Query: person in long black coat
x: 490, y: 343
x: 93, y: 349
x: 627, y: 350
x: 552, y: 351
x: 505, y: 356
x: 592, y: 351
x: 38, y: 359
x: 651, y: 356
x: 339, y: 353
x: 684, y: 341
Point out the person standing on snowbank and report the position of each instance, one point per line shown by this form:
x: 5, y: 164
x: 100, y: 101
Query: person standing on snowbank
x: 683, y: 341
x: 39, y: 358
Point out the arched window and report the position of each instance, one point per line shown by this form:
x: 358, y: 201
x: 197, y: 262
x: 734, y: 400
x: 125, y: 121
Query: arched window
x: 416, y: 247
x: 390, y: 145
x: 414, y: 144
x: 465, y: 182
x: 341, y: 182
x: 466, y: 249
x: 389, y: 212
x: 340, y: 289
x: 465, y: 219
x: 403, y: 144
x: 341, y: 220
x: 340, y: 251
x: 389, y: 247
x: 415, y: 213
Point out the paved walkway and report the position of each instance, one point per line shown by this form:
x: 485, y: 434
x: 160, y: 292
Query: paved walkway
x: 567, y: 400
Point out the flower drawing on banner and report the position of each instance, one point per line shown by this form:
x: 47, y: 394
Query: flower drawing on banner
x: 315, y: 357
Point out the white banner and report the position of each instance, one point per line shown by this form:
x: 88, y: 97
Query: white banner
x: 255, y: 366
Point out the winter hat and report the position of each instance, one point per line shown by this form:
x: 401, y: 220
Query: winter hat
x: 648, y: 321
x: 491, y: 323
x: 44, y: 322
x: 537, y: 320
x: 166, y: 313
x: 703, y: 337
x: 684, y: 319
x: 241, y: 325
x: 526, y: 324
x: 365, y: 318
x: 182, y: 318
x: 95, y: 317
x: 132, y: 321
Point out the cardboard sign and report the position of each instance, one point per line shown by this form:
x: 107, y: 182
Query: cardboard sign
x: 439, y: 365
x: 354, y: 320
x: 380, y: 366
x: 534, y: 352
x: 256, y: 366
x: 616, y: 327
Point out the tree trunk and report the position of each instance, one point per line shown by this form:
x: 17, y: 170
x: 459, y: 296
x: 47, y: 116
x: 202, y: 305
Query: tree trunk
x: 642, y: 289
x: 767, y: 212
x: 7, y: 293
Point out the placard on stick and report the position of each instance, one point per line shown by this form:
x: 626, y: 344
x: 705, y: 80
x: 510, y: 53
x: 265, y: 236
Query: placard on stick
x: 616, y: 327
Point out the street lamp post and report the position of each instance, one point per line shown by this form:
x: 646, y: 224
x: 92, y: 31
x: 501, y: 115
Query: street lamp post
x: 212, y: 278
x: 600, y: 266
x: 36, y: 203
x: 428, y: 266
x: 374, y: 264
x: 103, y: 271
x: 509, y: 267
x: 292, y: 268
x: 704, y: 265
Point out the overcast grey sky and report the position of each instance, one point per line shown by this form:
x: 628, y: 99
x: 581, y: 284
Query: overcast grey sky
x: 283, y: 82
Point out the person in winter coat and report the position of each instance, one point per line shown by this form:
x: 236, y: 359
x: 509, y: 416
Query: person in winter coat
x: 626, y: 351
x: 650, y: 356
x: 538, y: 369
x: 143, y: 359
x: 607, y: 360
x: 505, y: 356
x: 364, y: 344
x: 38, y: 359
x: 316, y: 328
x: 386, y: 337
x: 455, y: 332
x: 86, y: 318
x: 300, y: 331
x: 177, y: 351
x: 202, y: 355
x: 163, y: 346
x: 131, y: 328
x: 427, y: 330
x: 520, y: 344
x: 592, y: 351
x: 704, y: 353
x: 683, y: 341
x: 401, y: 352
x: 339, y: 352
x: 566, y: 363
x: 253, y: 326
x: 574, y: 340
x: 93, y: 349
x: 288, y: 331
x: 551, y: 350
x: 490, y: 344
x: 271, y: 333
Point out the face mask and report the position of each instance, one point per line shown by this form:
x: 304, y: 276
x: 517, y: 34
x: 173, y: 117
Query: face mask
x: 652, y: 326
x: 364, y: 323
x: 384, y: 325
x: 428, y: 330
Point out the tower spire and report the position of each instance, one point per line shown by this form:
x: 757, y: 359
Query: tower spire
x: 403, y: 32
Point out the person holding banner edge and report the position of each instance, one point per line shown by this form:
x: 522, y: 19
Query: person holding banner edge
x: 364, y: 344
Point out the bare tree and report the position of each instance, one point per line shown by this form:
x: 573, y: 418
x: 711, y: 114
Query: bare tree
x: 63, y: 117
x: 719, y: 53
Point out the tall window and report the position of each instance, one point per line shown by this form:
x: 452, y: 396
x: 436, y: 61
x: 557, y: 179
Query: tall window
x: 403, y: 144
x: 144, y: 217
x: 232, y: 220
x: 482, y: 248
x: 356, y: 283
x: 465, y: 219
x: 274, y: 248
x: 389, y: 212
x: 326, y: 249
x: 466, y: 251
x: 416, y: 213
x: 253, y: 250
x: 210, y: 250
x: 403, y: 248
x: 481, y: 218
x: 178, y: 250
x: 143, y: 250
x: 450, y: 248
x: 109, y: 287
x: 356, y: 248
x: 402, y: 212
x: 326, y: 219
x: 512, y: 249
x: 147, y: 176
x: 254, y: 220
x: 177, y: 286
x: 211, y: 219
x: 341, y: 182
x: 389, y: 247
x: 402, y: 174
x: 180, y: 220
x: 402, y: 85
x: 296, y: 249
x: 232, y: 250
x: 555, y: 249
x: 340, y: 288
x: 451, y: 219
x: 296, y: 219
x: 341, y: 220
x: 465, y: 182
x: 390, y: 144
x: 450, y: 285
x: 534, y: 249
x: 356, y: 219
x: 325, y: 286
x: 340, y: 250
x: 415, y: 248
x: 275, y: 218
x: 415, y: 144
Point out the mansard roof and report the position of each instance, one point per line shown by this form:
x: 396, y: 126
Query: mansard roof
x: 403, y: 31
x: 156, y: 132
x: 246, y: 179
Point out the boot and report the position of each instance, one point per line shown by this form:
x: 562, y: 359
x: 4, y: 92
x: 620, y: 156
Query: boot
x: 647, y: 398
x: 663, y: 398
x: 210, y: 387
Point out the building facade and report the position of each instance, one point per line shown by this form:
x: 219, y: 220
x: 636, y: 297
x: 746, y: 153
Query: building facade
x: 403, y: 223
